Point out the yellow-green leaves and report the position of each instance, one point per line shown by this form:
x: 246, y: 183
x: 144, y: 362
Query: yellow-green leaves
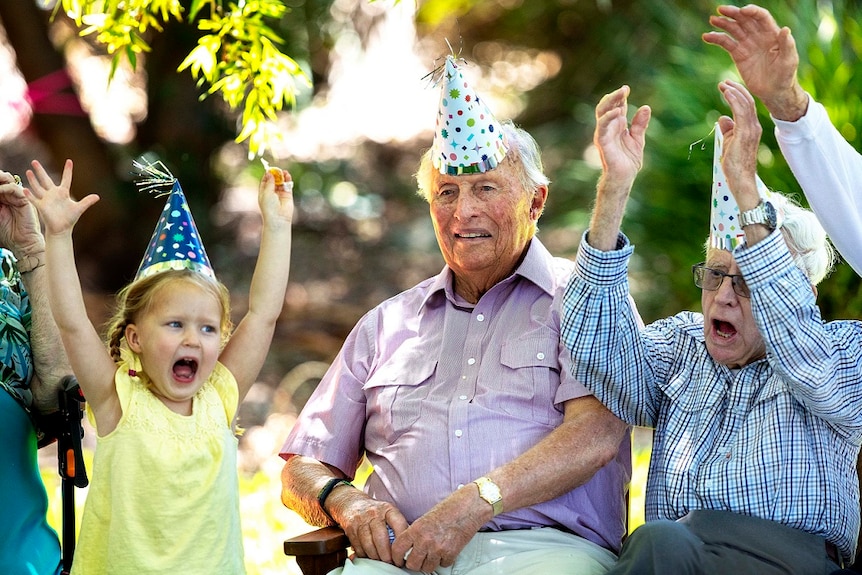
x: 237, y: 57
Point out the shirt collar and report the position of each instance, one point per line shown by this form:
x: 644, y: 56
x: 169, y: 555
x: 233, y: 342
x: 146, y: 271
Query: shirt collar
x: 536, y: 267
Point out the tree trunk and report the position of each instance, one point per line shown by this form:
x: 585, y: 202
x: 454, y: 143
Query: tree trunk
x: 99, y: 240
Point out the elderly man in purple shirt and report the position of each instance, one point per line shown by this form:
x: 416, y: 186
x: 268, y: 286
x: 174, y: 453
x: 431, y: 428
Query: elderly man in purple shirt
x: 487, y: 455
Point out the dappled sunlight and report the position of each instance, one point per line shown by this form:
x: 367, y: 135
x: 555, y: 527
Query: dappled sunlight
x: 13, y: 108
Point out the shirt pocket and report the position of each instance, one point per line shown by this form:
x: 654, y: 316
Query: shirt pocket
x: 531, y: 376
x: 395, y: 392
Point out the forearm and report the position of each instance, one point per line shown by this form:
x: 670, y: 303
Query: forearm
x: 815, y: 360
x: 302, y: 478
x: 611, y: 198
x: 49, y: 357
x: 829, y: 170
x: 589, y: 437
x: 269, y: 280
x: 246, y: 351
x: 64, y: 286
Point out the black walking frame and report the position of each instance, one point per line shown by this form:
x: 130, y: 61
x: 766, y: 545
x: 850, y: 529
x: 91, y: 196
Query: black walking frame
x: 65, y: 427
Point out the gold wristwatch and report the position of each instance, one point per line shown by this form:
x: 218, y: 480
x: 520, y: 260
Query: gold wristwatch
x: 490, y: 492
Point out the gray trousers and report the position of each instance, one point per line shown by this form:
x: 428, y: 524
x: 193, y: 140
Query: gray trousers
x: 722, y: 542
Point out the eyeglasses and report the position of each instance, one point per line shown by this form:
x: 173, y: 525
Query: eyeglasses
x: 711, y: 280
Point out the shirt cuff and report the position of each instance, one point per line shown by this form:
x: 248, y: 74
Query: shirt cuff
x: 764, y: 261
x: 805, y: 127
x: 603, y: 268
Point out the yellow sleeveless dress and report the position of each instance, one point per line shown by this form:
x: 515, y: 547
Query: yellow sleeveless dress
x: 164, y: 494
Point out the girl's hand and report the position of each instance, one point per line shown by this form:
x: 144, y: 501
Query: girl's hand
x: 275, y: 197
x: 57, y: 209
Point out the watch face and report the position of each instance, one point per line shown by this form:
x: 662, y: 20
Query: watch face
x: 771, y: 216
x: 490, y: 491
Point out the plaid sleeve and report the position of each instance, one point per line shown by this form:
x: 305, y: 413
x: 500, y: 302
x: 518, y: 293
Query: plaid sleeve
x: 821, y: 361
x: 602, y: 331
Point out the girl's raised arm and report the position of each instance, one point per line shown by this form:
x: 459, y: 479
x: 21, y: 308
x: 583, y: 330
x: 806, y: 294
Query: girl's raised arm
x: 246, y: 351
x: 90, y: 360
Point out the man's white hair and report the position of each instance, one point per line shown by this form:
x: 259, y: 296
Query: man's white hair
x: 810, y: 248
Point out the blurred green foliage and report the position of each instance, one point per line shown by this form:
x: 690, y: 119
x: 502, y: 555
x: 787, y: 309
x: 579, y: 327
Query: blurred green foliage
x: 655, y: 47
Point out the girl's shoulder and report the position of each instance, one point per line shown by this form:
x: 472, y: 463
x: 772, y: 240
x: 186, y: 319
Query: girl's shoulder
x: 225, y: 385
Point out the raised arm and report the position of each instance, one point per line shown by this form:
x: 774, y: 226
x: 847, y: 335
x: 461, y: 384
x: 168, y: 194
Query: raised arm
x: 739, y: 153
x: 88, y: 355
x: 621, y: 149
x: 21, y: 234
x: 246, y: 351
x: 765, y: 56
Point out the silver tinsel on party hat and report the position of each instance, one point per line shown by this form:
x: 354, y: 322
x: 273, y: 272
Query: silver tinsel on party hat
x: 175, y: 244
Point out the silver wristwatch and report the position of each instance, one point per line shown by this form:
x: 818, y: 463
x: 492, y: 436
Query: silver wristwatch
x: 764, y: 213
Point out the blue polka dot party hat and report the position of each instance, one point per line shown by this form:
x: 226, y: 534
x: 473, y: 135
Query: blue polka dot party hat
x: 725, y: 233
x: 467, y: 137
x: 175, y: 244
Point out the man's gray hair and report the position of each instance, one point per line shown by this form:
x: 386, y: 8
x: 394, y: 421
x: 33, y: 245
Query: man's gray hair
x: 523, y: 150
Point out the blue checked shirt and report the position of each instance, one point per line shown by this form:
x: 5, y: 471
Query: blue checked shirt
x: 776, y: 439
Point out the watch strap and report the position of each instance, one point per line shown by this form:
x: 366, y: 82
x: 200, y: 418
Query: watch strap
x: 485, y: 484
x: 756, y: 215
x: 327, y: 489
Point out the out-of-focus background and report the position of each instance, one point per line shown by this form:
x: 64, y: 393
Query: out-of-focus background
x: 352, y: 140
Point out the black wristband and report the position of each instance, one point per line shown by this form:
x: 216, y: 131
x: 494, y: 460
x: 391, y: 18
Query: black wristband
x: 327, y: 489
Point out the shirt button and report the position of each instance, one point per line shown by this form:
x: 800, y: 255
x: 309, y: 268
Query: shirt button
x: 480, y: 317
x: 471, y: 361
x: 540, y: 355
x: 458, y: 433
x: 463, y: 397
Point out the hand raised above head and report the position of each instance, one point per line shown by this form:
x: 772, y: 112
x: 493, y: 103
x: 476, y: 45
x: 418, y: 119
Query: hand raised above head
x: 620, y: 145
x: 765, y: 56
x: 275, y: 196
x: 58, y: 210
x: 741, y: 140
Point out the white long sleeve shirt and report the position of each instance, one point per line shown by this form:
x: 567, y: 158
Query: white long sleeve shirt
x: 829, y: 170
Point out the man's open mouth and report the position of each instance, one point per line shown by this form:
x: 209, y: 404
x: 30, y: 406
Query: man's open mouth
x: 723, y: 329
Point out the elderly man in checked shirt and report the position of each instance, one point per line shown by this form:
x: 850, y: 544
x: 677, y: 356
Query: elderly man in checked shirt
x: 756, y: 403
x: 488, y: 456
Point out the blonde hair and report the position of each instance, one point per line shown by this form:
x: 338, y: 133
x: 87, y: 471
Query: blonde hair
x: 138, y: 297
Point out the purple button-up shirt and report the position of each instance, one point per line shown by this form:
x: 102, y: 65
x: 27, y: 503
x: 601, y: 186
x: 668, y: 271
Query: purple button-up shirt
x: 436, y: 392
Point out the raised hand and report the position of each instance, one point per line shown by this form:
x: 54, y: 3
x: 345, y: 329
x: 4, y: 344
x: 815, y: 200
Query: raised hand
x: 765, y: 56
x: 620, y: 146
x: 275, y: 197
x: 19, y: 224
x: 741, y: 139
x: 57, y: 209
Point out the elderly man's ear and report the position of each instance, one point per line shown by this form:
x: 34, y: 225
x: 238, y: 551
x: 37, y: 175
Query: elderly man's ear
x: 540, y: 195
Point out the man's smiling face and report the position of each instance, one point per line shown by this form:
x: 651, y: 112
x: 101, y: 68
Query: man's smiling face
x: 483, y: 222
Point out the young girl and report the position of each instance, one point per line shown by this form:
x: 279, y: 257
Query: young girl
x: 163, y: 494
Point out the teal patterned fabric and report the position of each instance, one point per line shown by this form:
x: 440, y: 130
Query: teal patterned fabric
x: 16, y: 360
